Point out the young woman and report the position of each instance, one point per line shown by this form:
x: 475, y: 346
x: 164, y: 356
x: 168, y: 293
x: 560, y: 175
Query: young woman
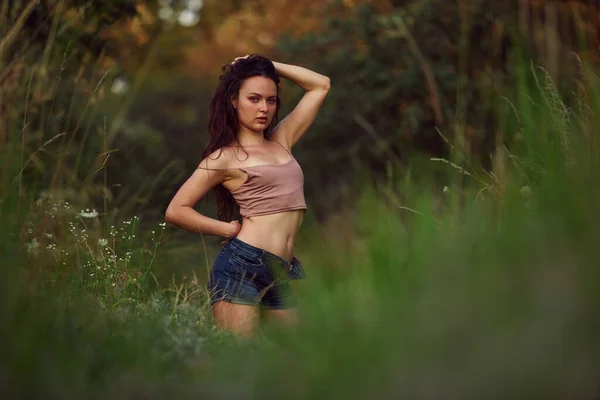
x: 249, y: 164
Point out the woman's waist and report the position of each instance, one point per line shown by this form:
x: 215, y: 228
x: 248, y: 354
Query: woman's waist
x: 258, y: 257
x: 273, y: 233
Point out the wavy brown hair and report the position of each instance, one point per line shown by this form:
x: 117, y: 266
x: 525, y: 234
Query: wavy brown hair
x: 223, y: 122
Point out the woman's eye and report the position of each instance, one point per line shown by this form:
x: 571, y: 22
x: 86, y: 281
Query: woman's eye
x: 271, y: 101
x: 253, y: 99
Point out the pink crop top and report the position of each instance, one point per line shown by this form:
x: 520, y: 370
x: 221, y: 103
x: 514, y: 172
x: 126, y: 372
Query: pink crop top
x: 270, y: 189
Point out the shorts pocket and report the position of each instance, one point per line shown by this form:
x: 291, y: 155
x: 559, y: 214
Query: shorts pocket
x: 241, y: 259
x: 296, y: 270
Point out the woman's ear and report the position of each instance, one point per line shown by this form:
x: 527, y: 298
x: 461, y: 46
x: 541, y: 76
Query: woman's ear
x: 234, y: 102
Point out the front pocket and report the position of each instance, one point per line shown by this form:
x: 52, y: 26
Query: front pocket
x: 244, y: 259
x: 296, y: 270
x: 244, y: 270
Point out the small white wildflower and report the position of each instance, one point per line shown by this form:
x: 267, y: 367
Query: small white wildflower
x: 88, y: 214
x: 33, y: 246
x: 446, y: 189
x: 102, y: 242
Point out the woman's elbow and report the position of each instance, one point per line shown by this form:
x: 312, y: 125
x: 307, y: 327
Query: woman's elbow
x: 327, y: 83
x: 171, y: 215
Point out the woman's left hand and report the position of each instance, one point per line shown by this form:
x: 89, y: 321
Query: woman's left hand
x: 239, y: 58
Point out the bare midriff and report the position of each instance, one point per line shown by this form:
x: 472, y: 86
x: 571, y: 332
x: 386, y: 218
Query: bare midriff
x: 275, y: 233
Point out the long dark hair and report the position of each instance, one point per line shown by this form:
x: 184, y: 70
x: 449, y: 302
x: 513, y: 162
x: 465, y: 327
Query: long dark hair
x: 223, y: 122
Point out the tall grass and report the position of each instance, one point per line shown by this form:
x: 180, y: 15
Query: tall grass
x: 485, y: 291
x: 500, y: 302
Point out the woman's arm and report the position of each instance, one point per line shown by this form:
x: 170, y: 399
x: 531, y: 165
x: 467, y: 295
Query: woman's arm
x: 184, y: 216
x: 303, y: 77
x: 293, y: 127
x: 181, y: 211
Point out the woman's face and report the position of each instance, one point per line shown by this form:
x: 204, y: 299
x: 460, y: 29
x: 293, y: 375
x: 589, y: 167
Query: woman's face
x: 256, y: 103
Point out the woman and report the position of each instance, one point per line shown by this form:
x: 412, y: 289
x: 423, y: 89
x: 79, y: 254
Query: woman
x: 249, y: 164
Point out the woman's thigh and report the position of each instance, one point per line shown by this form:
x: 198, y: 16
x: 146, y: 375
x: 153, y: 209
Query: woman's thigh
x: 286, y: 318
x: 240, y: 319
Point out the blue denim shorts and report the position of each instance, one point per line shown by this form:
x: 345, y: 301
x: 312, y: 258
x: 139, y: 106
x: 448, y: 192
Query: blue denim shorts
x: 244, y: 274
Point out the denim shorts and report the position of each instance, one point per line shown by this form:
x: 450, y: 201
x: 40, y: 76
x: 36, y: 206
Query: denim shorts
x: 244, y: 274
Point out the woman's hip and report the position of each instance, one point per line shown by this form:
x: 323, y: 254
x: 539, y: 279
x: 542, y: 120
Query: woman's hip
x: 240, y: 259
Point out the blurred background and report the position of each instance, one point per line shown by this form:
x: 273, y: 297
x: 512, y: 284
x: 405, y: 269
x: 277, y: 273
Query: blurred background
x: 458, y: 133
x: 403, y: 72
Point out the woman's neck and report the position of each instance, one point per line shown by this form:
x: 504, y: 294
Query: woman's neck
x: 250, y: 138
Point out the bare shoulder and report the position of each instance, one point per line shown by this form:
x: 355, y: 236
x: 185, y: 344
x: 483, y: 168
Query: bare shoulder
x: 219, y: 159
x: 211, y: 172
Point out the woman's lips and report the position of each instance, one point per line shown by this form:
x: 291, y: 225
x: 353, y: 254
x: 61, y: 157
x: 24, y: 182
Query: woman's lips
x: 262, y: 120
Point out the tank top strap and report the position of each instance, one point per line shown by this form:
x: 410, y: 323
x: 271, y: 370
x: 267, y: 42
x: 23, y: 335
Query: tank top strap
x: 289, y: 152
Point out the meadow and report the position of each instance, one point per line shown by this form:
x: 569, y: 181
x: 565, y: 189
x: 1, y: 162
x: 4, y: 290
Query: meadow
x: 485, y: 285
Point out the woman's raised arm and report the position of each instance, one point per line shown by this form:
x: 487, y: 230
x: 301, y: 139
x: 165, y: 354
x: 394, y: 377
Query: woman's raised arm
x: 292, y: 127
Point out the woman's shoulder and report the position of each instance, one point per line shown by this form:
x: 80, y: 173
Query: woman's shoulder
x: 226, y: 158
x: 218, y: 159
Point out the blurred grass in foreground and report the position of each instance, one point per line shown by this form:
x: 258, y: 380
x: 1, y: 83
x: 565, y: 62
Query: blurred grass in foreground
x: 495, y: 299
x: 489, y: 291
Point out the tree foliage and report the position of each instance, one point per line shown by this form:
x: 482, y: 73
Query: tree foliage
x: 79, y: 23
x: 404, y: 73
x: 54, y: 60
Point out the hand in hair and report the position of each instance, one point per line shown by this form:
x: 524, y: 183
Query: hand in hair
x: 239, y: 58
